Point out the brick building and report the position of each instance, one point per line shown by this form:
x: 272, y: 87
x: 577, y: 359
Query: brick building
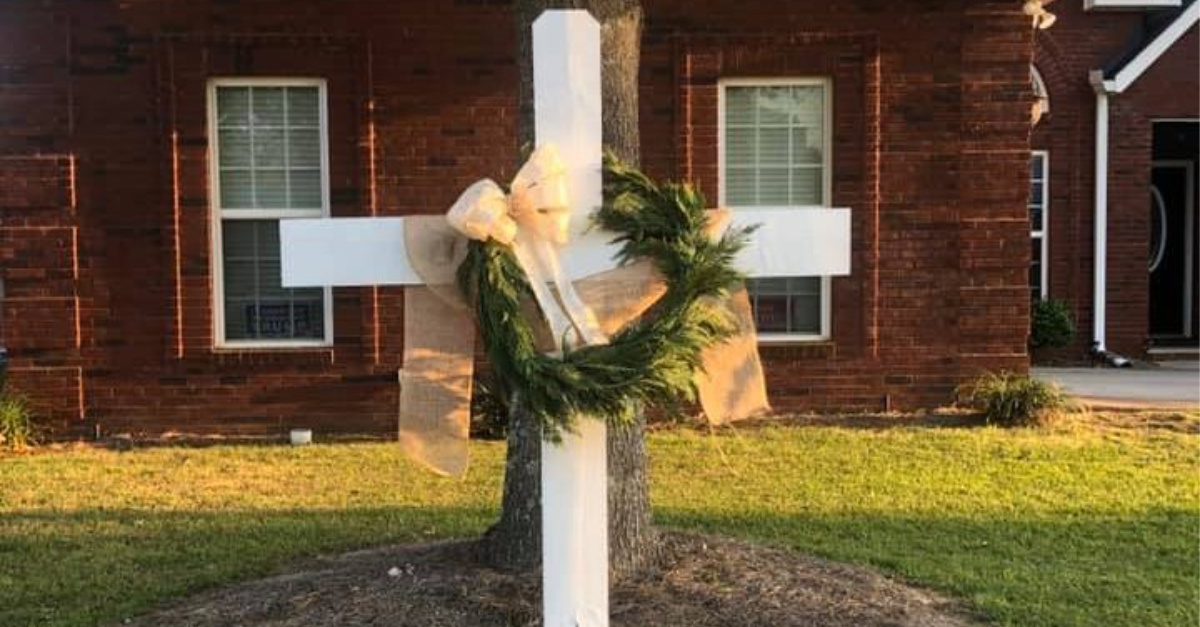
x: 1124, y: 76
x: 147, y: 149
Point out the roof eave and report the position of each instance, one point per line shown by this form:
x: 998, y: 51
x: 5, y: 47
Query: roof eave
x: 1121, y: 79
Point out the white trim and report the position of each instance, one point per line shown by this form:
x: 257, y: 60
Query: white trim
x: 1100, y: 226
x: 1161, y: 206
x: 1189, y: 226
x: 216, y: 214
x: 826, y: 184
x: 1044, y: 234
x: 1089, y: 5
x: 1151, y: 53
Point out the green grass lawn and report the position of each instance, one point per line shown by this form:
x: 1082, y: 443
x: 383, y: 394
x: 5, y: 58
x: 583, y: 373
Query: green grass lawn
x: 1089, y: 527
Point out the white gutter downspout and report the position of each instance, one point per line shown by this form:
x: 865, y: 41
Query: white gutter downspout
x: 1100, y: 229
x: 1100, y: 221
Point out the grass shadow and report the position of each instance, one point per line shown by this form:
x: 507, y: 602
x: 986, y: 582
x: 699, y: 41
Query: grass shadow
x: 97, y: 566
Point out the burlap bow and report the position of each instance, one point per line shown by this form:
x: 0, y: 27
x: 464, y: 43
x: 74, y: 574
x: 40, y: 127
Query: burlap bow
x: 533, y: 218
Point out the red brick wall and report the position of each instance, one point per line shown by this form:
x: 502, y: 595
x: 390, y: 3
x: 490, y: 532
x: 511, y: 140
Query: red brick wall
x: 936, y: 264
x: 1065, y: 54
x: 422, y: 95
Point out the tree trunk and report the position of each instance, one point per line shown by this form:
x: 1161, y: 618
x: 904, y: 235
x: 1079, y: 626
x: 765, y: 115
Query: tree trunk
x: 515, y: 540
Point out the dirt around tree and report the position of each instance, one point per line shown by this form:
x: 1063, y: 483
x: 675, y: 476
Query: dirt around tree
x: 701, y: 582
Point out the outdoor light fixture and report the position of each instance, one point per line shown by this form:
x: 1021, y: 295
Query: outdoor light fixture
x: 1042, y: 19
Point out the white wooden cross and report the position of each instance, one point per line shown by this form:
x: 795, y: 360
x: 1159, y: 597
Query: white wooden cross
x: 370, y: 251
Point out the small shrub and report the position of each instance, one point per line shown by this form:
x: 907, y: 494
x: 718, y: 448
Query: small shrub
x: 1012, y: 400
x: 17, y: 430
x: 489, y: 410
x: 1050, y: 325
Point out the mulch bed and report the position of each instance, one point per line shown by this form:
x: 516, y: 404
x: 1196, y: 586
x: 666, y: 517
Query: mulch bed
x: 701, y: 582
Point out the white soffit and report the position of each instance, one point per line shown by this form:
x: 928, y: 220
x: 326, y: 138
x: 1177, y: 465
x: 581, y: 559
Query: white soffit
x: 1089, y: 5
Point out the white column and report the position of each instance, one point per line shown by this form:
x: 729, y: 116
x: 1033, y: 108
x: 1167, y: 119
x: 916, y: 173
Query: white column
x: 566, y: 83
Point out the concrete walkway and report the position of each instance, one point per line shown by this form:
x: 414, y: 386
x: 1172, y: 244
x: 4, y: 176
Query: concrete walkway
x: 1172, y: 384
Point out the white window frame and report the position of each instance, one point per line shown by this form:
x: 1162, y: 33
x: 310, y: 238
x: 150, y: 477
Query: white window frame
x: 826, y: 187
x: 217, y: 215
x: 1044, y: 234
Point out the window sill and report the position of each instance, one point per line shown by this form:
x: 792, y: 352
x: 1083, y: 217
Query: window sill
x: 797, y: 347
x: 790, y: 339
x: 253, y: 347
x: 265, y: 354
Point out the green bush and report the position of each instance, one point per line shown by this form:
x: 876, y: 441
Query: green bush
x: 1050, y: 324
x: 17, y: 430
x: 1011, y: 400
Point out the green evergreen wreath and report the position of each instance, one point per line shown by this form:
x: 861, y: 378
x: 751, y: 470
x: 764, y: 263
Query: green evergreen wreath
x: 650, y: 361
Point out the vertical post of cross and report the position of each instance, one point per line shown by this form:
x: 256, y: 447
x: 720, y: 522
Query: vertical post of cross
x: 567, y: 110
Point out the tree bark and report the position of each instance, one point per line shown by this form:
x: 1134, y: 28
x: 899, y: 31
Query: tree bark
x: 514, y: 542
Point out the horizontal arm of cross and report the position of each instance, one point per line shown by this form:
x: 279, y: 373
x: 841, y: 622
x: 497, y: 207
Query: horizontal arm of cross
x: 370, y: 251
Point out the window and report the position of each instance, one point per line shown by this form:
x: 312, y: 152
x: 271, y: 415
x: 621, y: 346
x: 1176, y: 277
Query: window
x: 1041, y: 102
x: 1039, y: 200
x: 269, y: 163
x: 774, y: 152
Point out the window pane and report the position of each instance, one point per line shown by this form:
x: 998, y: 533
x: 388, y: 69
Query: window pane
x: 806, y: 314
x: 741, y: 155
x: 234, y: 148
x: 771, y: 313
x: 303, y: 106
x: 770, y: 132
x: 773, y: 186
x: 773, y: 147
x: 305, y: 189
x: 791, y: 305
x: 269, y: 148
x: 304, y: 148
x: 241, y: 278
x: 1035, y: 268
x: 266, y: 106
x: 740, y: 187
x: 774, y: 105
x: 257, y: 306
x: 275, y: 135
x: 233, y: 106
x: 807, y: 186
x: 308, y: 313
x: 739, y: 106
x: 808, y: 106
x: 807, y: 146
x: 237, y: 189
x: 270, y: 189
x: 1037, y: 220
